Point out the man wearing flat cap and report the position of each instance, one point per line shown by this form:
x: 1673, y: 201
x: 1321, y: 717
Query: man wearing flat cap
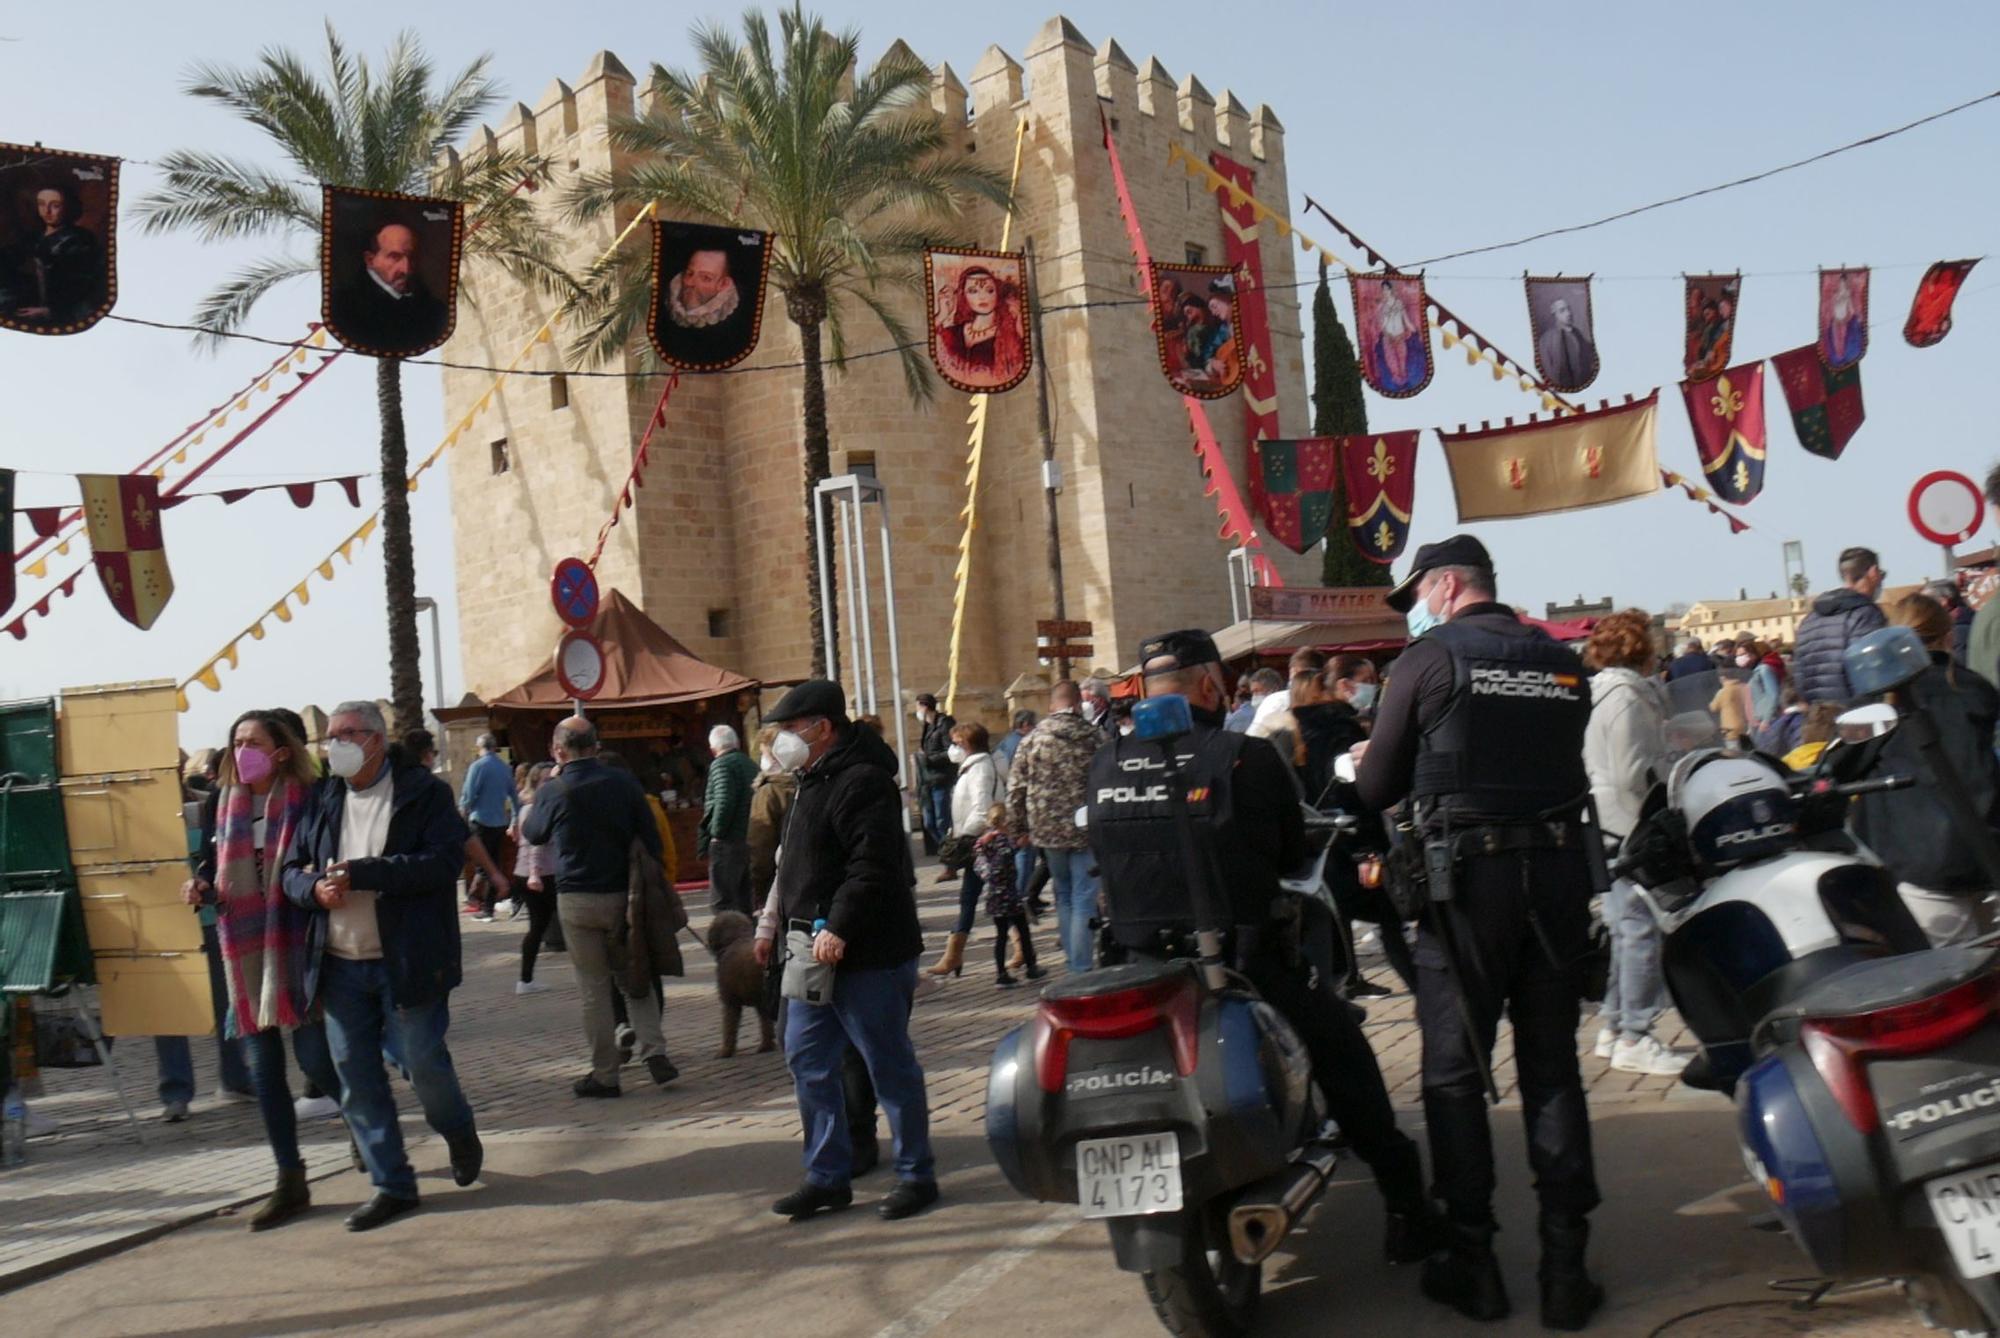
x: 847, y: 885
x: 1481, y: 730
x: 1245, y: 807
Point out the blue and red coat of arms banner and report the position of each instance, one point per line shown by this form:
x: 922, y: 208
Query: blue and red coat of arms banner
x: 1727, y: 414
x: 1380, y: 471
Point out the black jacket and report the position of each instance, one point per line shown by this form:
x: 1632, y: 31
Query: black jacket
x: 844, y: 856
x: 415, y: 881
x: 1327, y: 730
x: 1838, y: 618
x: 934, y: 764
x: 1909, y: 829
x: 593, y: 813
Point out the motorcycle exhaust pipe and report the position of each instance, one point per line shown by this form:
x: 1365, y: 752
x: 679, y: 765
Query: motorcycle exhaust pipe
x: 1268, y: 1210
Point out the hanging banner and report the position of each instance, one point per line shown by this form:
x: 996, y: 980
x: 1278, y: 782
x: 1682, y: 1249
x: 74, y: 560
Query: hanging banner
x: 6, y: 539
x: 1559, y: 464
x: 1198, y: 326
x: 1930, y: 309
x: 1565, y: 334
x: 1392, y: 331
x: 389, y: 270
x: 1826, y: 406
x: 58, y: 239
x: 708, y: 294
x: 122, y: 513
x: 1380, y: 470
x: 1295, y: 481
x: 1843, y: 317
x: 1241, y: 236
x: 1711, y: 323
x: 979, y: 318
x: 1727, y: 415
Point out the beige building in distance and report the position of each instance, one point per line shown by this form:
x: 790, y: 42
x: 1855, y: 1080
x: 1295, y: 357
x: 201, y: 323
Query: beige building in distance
x: 1775, y: 620
x: 713, y: 547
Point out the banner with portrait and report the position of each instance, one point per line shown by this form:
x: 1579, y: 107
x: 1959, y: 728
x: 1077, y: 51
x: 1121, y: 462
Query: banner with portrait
x: 708, y: 294
x: 389, y: 270
x: 1825, y: 405
x: 1564, y: 330
x: 1580, y: 460
x: 1711, y: 301
x: 1843, y: 317
x: 1295, y: 484
x: 1199, y: 331
x: 1727, y: 415
x: 1930, y: 309
x: 1392, y: 330
x: 978, y: 323
x: 58, y: 239
x: 1380, y: 472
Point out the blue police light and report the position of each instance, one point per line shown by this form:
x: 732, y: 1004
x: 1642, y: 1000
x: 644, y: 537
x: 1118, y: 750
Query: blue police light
x: 1158, y: 718
x: 1884, y: 660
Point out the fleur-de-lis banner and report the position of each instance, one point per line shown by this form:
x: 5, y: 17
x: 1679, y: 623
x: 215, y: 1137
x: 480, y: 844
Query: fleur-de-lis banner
x: 1826, y: 406
x: 1565, y: 333
x: 122, y: 514
x: 389, y: 270
x: 58, y: 239
x: 1199, y: 329
x: 1711, y: 323
x: 1727, y: 413
x: 1380, y: 471
x: 1555, y: 464
x: 1843, y: 317
x: 1393, y: 332
x: 1930, y: 309
x: 1295, y: 489
x: 708, y: 294
x: 1241, y: 248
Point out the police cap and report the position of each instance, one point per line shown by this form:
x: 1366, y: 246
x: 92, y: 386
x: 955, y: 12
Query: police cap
x: 814, y: 697
x: 1461, y: 550
x: 1177, y: 650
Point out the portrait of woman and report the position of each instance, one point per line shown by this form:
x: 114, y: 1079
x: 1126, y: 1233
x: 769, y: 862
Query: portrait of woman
x: 55, y: 267
x: 1395, y: 339
x: 979, y: 335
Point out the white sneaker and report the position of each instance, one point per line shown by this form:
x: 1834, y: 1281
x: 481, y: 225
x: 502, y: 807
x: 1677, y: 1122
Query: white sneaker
x: 1606, y: 1040
x: 1646, y: 1055
x: 530, y: 987
x: 229, y: 1097
x: 315, y: 1108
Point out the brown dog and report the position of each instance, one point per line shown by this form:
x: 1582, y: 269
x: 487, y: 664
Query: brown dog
x: 739, y: 980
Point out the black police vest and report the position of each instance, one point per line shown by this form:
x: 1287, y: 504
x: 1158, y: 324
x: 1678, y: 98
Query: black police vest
x: 1509, y: 743
x: 1147, y: 885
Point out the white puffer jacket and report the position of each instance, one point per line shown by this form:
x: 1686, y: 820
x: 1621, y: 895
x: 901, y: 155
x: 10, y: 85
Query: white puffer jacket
x: 974, y: 793
x: 1624, y: 744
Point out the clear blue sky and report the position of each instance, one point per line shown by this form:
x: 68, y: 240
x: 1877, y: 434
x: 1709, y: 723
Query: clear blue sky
x: 1428, y: 130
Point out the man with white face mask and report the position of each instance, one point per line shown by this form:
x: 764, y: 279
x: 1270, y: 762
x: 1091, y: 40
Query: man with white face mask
x: 378, y: 850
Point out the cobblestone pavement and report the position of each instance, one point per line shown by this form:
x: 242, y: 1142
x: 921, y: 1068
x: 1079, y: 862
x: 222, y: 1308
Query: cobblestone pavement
x: 91, y: 1187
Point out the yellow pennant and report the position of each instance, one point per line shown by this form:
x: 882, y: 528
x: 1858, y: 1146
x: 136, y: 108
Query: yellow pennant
x: 221, y: 421
x: 208, y: 679
x: 347, y: 550
x: 196, y: 439
x: 265, y: 384
x: 1471, y: 354
x: 301, y: 594
x: 1499, y: 372
x: 543, y: 335
x: 299, y: 356
x: 160, y: 471
x: 62, y: 549
x: 367, y: 528
x: 1449, y: 340
x: 325, y: 570
x: 230, y: 653
x: 282, y: 610
x: 1284, y: 225
x: 181, y: 456
x: 38, y: 568
x: 243, y: 403
x: 180, y: 700
x: 1549, y: 403
x: 257, y: 630
x: 318, y: 340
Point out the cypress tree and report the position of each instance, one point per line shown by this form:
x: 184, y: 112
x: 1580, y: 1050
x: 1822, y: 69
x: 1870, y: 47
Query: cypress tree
x: 1338, y: 411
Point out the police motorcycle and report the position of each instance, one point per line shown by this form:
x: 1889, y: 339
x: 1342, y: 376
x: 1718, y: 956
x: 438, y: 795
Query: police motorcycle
x: 1169, y: 1100
x: 1864, y: 1064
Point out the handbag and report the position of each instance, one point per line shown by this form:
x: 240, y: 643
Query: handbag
x: 806, y: 980
x: 955, y: 853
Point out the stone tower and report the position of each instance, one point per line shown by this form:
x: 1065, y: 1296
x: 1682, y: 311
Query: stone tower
x: 713, y: 546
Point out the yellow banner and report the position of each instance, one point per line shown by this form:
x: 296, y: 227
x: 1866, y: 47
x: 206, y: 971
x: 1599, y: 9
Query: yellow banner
x: 1560, y: 464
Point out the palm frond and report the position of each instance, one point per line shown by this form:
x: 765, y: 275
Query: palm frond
x: 221, y: 199
x: 225, y: 308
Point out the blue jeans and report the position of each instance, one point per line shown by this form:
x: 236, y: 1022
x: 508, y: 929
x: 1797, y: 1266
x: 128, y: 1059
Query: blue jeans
x: 1635, y: 993
x: 1076, y: 903
x: 176, y: 1057
x: 871, y: 1012
x: 360, y: 1020
x: 937, y: 811
x: 968, y: 900
x: 1024, y: 869
x: 274, y: 1091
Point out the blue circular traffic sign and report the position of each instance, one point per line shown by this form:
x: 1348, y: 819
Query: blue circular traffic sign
x: 573, y: 590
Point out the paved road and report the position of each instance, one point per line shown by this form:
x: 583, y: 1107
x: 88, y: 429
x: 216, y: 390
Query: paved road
x: 652, y: 1209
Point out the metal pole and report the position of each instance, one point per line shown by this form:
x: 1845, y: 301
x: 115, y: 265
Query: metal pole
x: 896, y: 661
x: 1950, y: 570
x: 825, y: 588
x: 1047, y: 438
x: 847, y: 524
x: 860, y: 570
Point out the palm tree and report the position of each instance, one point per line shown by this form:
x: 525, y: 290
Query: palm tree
x: 844, y: 172
x: 352, y: 124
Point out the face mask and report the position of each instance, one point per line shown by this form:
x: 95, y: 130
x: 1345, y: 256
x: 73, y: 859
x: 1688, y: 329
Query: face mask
x: 1364, y: 696
x: 790, y: 751
x: 956, y: 754
x: 1126, y: 727
x: 345, y: 759
x: 767, y: 763
x: 918, y: 713
x: 1420, y: 619
x: 253, y: 765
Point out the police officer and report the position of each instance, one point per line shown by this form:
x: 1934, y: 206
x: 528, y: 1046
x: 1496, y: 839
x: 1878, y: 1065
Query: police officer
x: 1481, y: 728
x: 1245, y: 806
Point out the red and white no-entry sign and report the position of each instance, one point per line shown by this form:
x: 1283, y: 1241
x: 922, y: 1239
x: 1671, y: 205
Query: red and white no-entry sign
x: 1946, y: 507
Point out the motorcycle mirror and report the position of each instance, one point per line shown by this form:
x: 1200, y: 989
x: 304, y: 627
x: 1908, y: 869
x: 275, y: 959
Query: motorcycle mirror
x: 1157, y: 719
x: 1866, y: 722
x: 1344, y: 768
x: 1884, y: 660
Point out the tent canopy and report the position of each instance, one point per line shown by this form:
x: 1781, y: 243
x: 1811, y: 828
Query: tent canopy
x: 643, y: 666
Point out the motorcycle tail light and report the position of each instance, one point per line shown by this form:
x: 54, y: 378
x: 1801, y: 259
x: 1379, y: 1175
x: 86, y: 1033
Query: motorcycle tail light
x: 1172, y: 1001
x: 1840, y: 1047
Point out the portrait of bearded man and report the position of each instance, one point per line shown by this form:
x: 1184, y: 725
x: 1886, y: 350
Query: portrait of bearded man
x: 702, y: 294
x: 707, y: 294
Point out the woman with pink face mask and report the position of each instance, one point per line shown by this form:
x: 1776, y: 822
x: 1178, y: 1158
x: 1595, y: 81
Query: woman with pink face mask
x: 261, y: 787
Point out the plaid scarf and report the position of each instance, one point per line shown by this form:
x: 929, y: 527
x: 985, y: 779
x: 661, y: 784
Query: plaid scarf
x: 263, y: 934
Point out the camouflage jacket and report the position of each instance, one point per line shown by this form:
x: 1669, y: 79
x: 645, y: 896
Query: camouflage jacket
x: 1045, y: 787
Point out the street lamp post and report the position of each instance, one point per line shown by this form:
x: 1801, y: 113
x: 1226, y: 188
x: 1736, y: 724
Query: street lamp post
x: 425, y: 604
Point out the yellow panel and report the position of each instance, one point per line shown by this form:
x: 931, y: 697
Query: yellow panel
x: 138, y: 910
x: 155, y: 996
x: 120, y: 727
x: 122, y: 819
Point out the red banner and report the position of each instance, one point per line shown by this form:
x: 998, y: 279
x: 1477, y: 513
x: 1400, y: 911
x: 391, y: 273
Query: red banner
x: 1727, y: 414
x: 1930, y: 309
x: 122, y: 512
x: 1380, y: 469
x: 1826, y: 406
x: 1245, y: 257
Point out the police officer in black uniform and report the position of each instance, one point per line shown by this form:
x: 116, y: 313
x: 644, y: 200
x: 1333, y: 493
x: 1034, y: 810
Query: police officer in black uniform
x: 1481, y: 729
x: 1245, y: 805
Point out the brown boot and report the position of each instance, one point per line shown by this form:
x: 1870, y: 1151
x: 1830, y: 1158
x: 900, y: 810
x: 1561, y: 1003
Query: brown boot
x: 1019, y: 957
x: 952, y: 963
x: 287, y: 1201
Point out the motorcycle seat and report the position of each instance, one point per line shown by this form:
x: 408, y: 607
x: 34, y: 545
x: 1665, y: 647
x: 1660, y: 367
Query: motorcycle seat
x: 1113, y: 979
x: 1878, y: 984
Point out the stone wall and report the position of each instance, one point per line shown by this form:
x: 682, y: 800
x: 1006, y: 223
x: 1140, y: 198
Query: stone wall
x: 716, y: 537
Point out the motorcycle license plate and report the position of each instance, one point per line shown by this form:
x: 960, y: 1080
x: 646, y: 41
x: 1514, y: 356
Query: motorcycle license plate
x: 1125, y: 1177
x: 1967, y: 1208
